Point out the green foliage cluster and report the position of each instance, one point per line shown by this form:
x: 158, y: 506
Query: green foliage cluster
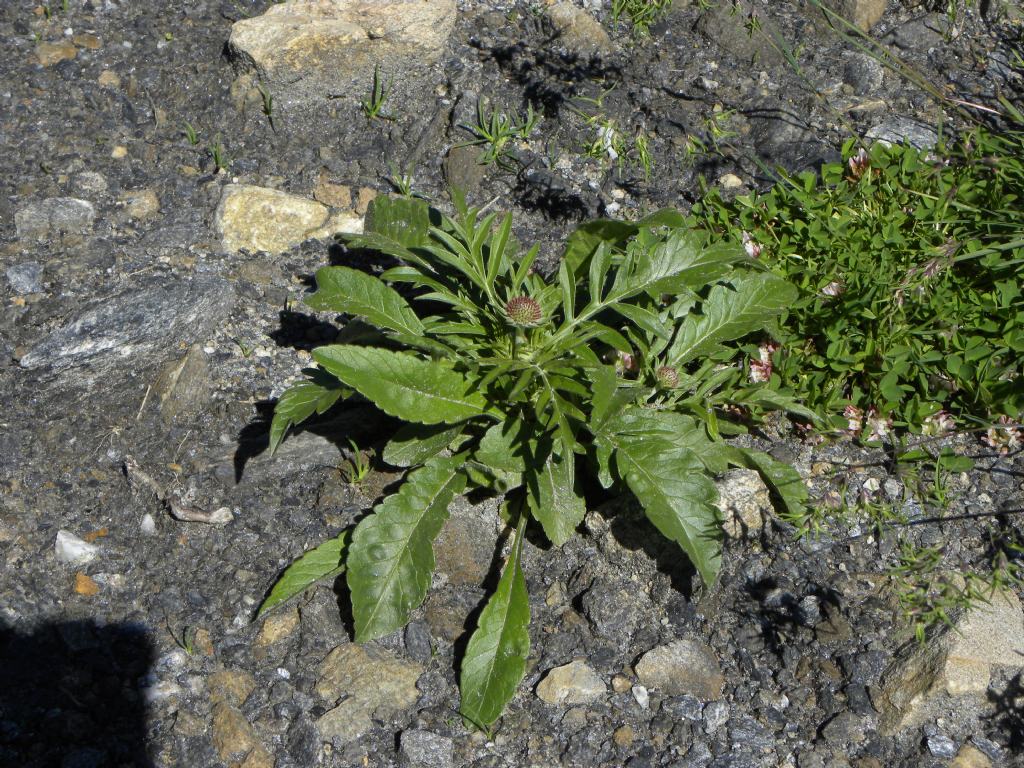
x: 642, y: 13
x: 910, y: 266
x: 518, y: 386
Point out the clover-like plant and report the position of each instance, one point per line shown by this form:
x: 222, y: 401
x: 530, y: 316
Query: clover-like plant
x: 517, y: 385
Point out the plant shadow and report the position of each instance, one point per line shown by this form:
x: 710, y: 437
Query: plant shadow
x: 72, y: 693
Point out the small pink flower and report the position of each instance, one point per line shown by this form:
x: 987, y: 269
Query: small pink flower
x: 854, y: 419
x: 859, y: 164
x: 833, y: 289
x: 751, y: 246
x: 939, y: 423
x: 760, y: 372
x: 1004, y: 436
x: 761, y: 369
x: 878, y: 427
x: 625, y: 363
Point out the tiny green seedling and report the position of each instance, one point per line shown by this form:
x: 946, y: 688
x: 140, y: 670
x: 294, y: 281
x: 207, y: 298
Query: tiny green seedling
x: 374, y: 103
x: 220, y: 159
x: 268, y: 105
x: 642, y: 13
x: 357, y: 467
x: 191, y: 136
x: 494, y: 131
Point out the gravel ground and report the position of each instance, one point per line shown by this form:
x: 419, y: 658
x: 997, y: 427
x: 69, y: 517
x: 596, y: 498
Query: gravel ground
x: 141, y: 349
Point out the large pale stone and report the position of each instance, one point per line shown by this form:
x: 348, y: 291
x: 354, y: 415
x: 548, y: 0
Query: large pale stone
x: 744, y: 502
x: 571, y: 684
x: 262, y: 219
x: 578, y: 31
x: 365, y: 683
x: 956, y: 663
x: 864, y: 13
x: 306, y: 50
x: 681, y: 667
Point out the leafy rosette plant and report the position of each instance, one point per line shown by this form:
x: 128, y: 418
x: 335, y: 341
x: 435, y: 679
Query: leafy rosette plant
x: 511, y: 383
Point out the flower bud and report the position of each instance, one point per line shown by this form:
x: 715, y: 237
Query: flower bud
x: 523, y: 311
x: 667, y: 376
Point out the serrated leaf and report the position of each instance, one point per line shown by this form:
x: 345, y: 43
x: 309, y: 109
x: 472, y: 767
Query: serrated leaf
x: 553, y: 500
x: 413, y: 444
x: 405, y: 220
x: 729, y: 313
x: 495, y: 659
x: 504, y: 446
x: 677, y: 496
x: 318, y: 563
x: 342, y: 289
x: 298, y: 403
x: 391, y: 557
x: 404, y: 386
x: 678, y: 262
x: 782, y: 479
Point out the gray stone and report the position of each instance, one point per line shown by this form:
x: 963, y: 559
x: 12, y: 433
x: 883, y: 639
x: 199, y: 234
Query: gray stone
x: 723, y: 24
x: 417, y: 641
x: 941, y: 745
x: 140, y: 324
x: 54, y: 217
x: 463, y: 170
x: 686, y: 707
x: 683, y: 666
x: 26, y: 278
x: 845, y: 728
x: 307, y: 50
x: 571, y: 684
x: 897, y: 130
x: 363, y: 682
x: 953, y: 669
x: 304, y: 743
x: 863, y: 73
x: 614, y: 609
x: 426, y: 749
x: 716, y: 714
x: 184, y: 386
x: 465, y: 547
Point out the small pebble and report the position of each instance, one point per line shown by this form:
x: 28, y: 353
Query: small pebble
x: 85, y: 586
x: 941, y: 746
x: 73, y: 550
x: 641, y: 696
x: 148, y: 525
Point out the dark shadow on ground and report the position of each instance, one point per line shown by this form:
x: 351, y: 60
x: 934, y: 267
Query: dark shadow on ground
x: 71, y: 694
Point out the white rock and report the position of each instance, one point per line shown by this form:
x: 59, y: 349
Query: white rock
x: 642, y: 697
x: 148, y: 525
x: 73, y: 550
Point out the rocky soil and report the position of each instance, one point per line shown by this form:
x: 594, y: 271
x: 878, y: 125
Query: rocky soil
x: 172, y: 173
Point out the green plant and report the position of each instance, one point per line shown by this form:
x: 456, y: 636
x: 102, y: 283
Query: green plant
x: 357, y: 467
x: 910, y: 268
x: 642, y: 13
x: 220, y: 159
x: 268, y: 105
x: 374, y: 103
x: 191, y: 136
x: 515, y: 386
x: 494, y: 130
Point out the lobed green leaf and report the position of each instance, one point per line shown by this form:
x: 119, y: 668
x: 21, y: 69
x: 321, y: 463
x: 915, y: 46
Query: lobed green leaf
x: 391, y: 558
x: 404, y: 386
x: 324, y: 561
